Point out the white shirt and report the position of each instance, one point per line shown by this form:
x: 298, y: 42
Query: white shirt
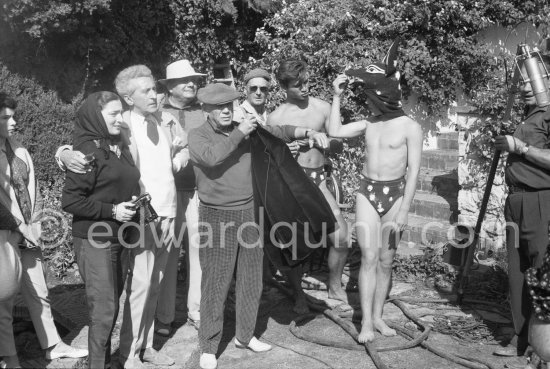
x: 245, y: 107
x: 155, y: 166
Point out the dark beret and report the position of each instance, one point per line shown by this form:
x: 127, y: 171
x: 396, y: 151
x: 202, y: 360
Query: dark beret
x: 255, y: 73
x: 217, y: 94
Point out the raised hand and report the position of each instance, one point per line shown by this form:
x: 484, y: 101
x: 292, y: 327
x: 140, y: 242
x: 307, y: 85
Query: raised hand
x: 248, y: 125
x: 339, y: 84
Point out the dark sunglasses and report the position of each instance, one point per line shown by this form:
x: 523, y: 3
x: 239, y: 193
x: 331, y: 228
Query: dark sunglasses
x: 255, y: 88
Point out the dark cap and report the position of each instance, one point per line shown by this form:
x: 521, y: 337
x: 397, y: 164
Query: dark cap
x: 217, y: 94
x: 257, y: 73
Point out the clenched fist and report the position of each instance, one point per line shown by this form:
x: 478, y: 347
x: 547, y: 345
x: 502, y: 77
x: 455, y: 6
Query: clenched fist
x: 248, y: 125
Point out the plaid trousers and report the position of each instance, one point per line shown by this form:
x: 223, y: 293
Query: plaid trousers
x: 230, y: 241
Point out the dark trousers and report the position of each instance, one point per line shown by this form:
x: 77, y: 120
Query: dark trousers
x: 101, y: 270
x: 528, y: 213
x: 229, y: 243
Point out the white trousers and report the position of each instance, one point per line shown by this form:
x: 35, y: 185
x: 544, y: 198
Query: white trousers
x: 146, y: 263
x: 187, y: 221
x: 34, y: 292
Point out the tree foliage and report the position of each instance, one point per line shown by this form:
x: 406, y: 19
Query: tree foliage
x: 440, y: 52
x: 79, y: 46
x: 217, y: 31
x: 72, y: 47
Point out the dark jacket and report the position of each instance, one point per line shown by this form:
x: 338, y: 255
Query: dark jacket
x: 90, y: 196
x: 284, y: 193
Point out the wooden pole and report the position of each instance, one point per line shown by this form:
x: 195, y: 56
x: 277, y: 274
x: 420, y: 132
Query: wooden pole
x: 486, y: 195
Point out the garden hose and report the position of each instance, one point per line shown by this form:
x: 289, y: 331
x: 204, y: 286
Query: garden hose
x: 373, y: 350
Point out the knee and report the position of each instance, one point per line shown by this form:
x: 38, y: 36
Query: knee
x: 369, y: 259
x: 342, y: 241
x: 385, y: 264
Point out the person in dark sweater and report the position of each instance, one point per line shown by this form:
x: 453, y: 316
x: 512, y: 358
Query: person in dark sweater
x: 100, y: 201
x: 220, y: 153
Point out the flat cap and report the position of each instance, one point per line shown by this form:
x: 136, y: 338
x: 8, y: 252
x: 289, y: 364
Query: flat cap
x: 257, y: 73
x: 217, y: 94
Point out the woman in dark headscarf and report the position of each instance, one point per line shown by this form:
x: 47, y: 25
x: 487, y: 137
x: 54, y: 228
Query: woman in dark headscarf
x: 100, y: 201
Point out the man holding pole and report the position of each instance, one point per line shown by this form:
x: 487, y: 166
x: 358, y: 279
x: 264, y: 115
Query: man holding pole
x: 528, y: 202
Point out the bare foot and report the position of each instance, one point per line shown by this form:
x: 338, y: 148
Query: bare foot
x: 300, y: 305
x: 383, y: 328
x: 367, y: 333
x: 338, y: 294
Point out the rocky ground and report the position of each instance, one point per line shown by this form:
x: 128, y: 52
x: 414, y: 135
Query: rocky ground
x: 471, y: 330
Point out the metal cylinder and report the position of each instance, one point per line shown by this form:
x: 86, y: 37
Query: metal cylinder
x: 536, y: 79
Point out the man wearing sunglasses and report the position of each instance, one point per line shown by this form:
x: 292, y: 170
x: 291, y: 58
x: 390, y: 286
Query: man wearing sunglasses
x: 257, y: 83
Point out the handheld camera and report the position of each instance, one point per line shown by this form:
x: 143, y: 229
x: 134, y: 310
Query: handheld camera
x: 144, y: 209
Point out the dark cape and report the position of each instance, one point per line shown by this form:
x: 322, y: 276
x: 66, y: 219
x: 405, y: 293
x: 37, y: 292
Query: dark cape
x: 285, y: 196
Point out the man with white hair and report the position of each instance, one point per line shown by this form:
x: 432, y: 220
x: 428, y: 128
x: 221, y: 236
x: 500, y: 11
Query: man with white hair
x: 153, y: 139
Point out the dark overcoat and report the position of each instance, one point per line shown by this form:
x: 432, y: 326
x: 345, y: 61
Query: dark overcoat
x: 290, y: 208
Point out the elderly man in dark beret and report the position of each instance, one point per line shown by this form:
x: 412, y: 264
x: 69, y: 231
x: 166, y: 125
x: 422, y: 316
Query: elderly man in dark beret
x: 230, y: 238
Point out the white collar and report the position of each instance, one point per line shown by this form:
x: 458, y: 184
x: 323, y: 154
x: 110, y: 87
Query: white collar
x: 137, y: 117
x: 250, y: 109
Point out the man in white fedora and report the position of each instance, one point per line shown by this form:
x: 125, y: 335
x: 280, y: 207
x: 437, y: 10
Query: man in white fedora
x: 180, y: 85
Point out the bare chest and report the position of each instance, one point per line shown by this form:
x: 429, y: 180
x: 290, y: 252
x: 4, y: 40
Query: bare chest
x: 384, y: 136
x: 309, y: 118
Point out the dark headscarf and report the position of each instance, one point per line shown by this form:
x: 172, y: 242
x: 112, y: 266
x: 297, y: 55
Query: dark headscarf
x: 90, y: 125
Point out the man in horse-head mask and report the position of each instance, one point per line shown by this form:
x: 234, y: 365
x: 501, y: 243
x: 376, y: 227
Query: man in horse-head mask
x: 388, y: 181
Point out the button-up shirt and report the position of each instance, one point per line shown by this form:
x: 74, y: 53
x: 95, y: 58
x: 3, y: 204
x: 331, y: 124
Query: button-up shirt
x: 5, y: 177
x: 246, y: 108
x: 535, y: 131
x: 189, y: 117
x: 155, y: 166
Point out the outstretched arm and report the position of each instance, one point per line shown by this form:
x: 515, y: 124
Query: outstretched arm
x: 335, y: 128
x: 414, y: 157
x: 74, y: 161
x: 539, y: 157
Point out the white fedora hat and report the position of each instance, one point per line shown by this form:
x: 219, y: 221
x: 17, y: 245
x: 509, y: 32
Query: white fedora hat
x: 180, y: 69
